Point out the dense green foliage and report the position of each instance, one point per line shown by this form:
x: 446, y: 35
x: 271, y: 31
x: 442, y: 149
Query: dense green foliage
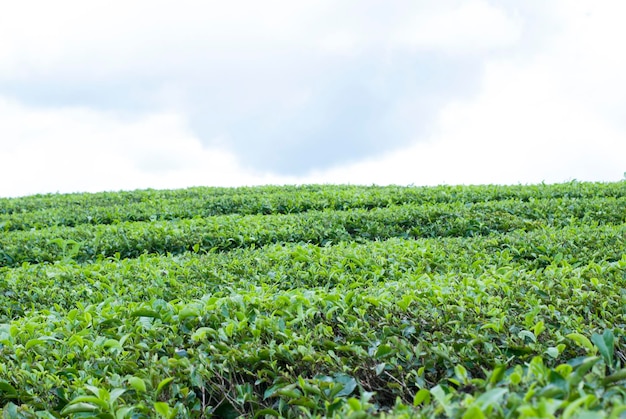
x: 469, y: 302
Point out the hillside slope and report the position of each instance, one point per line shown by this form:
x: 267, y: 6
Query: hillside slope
x: 451, y: 301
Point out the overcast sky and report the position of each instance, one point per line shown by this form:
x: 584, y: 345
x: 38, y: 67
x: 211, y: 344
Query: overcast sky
x: 161, y: 94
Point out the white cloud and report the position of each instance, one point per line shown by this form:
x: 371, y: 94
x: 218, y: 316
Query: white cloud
x: 73, y: 150
x: 116, y: 37
x: 590, y: 57
x: 492, y: 141
x: 550, y: 118
x: 270, y: 78
x: 467, y: 27
x: 90, y: 40
x: 551, y: 114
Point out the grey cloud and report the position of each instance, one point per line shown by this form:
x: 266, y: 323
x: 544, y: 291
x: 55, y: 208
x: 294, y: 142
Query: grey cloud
x: 280, y: 108
x: 293, y: 112
x: 367, y: 108
x: 122, y: 96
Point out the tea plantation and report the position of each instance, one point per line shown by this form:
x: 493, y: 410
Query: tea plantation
x: 315, y: 301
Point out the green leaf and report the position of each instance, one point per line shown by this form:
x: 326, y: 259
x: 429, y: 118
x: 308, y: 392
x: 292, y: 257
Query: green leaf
x: 116, y: 393
x: 79, y: 408
x: 354, y: 404
x: 101, y: 393
x: 271, y: 391
x: 348, y: 383
x: 380, y: 368
x: 308, y: 388
x: 266, y: 412
x: 200, y: 334
x: 491, y: 397
x: 188, y: 311
x: 605, y: 345
x: 137, y: 384
x: 441, y: 397
x: 497, y: 374
x: 290, y: 392
x: 10, y: 411
x: 581, y: 370
x: 422, y: 396
x: 303, y: 401
x: 616, y: 376
x: 618, y: 412
x: 574, y: 407
x: 92, y: 400
x: 473, y: 412
x: 163, y: 409
x: 112, y: 343
x: 7, y: 390
x: 162, y: 384
x: 527, y: 334
x: 552, y: 352
x: 144, y: 312
x: 383, y: 350
x: 461, y: 373
x: 33, y: 342
x: 538, y: 328
x: 123, y: 412
x: 581, y: 341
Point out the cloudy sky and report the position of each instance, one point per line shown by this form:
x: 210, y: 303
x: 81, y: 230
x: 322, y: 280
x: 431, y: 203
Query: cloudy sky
x: 160, y: 94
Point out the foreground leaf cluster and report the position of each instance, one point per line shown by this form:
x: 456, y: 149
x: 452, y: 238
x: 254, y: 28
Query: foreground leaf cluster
x: 464, y: 302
